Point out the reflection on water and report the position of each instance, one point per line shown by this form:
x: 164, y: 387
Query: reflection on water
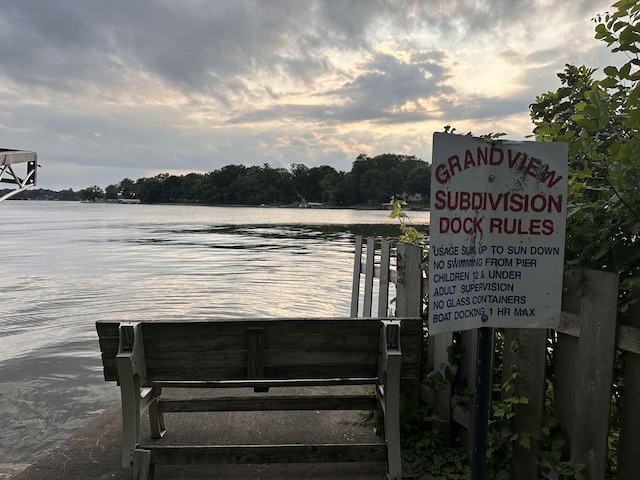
x: 66, y: 265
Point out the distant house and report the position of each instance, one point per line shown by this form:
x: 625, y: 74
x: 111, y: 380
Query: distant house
x: 413, y: 197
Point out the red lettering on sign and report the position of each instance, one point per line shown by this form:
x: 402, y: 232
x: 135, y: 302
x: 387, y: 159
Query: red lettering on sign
x: 516, y: 160
x: 519, y: 226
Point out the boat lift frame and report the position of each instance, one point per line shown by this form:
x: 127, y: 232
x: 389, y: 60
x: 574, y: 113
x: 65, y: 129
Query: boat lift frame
x: 10, y: 161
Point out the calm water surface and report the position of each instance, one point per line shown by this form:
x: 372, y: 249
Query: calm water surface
x: 67, y: 264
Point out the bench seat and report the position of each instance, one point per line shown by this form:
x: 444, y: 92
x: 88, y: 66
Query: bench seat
x: 147, y: 358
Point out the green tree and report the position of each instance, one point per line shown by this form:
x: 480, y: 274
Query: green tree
x: 216, y: 185
x: 374, y: 186
x: 172, y: 189
x: 333, y: 187
x: 418, y: 181
x: 91, y: 194
x: 67, y: 195
x: 111, y: 192
x: 377, y: 179
x: 150, y: 189
x: 317, y: 184
x: 600, y: 119
x: 127, y: 188
x: 191, y: 187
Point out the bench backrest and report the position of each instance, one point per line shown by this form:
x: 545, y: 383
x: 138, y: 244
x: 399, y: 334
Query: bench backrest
x: 279, y: 349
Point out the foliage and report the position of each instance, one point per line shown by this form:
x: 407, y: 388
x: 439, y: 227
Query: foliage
x: 377, y: 179
x: 409, y: 234
x: 43, y: 194
x: 369, y: 180
x: 502, y: 437
x: 489, y: 136
x: 553, y: 442
x: 91, y: 194
x: 426, y: 450
x: 599, y: 120
x: 448, y: 374
x: 111, y: 192
x: 372, y: 180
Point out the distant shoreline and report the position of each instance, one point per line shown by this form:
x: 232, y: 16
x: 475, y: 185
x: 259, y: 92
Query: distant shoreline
x: 417, y: 207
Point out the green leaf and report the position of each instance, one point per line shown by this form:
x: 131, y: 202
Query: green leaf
x: 584, y: 122
x: 609, y: 82
x: 611, y: 71
x: 591, y: 112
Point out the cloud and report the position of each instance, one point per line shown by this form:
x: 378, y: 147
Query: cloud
x: 128, y: 87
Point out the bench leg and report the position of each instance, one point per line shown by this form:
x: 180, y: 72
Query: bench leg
x: 392, y: 363
x: 378, y: 419
x: 142, y: 468
x: 131, y: 374
x: 130, y: 420
x: 156, y: 417
x: 134, y: 401
x: 392, y: 436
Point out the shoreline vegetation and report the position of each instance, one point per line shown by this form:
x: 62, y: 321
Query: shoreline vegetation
x: 373, y: 183
x: 412, y: 206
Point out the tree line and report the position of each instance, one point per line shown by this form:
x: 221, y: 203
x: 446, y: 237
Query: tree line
x: 371, y: 180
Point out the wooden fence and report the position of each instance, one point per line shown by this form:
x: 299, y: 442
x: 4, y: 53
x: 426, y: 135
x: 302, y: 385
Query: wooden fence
x: 588, y: 342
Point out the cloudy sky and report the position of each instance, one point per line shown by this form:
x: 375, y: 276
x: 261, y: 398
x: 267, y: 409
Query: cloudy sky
x: 106, y: 90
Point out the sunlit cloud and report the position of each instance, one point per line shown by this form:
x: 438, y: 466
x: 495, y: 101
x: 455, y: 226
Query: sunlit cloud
x: 109, y: 90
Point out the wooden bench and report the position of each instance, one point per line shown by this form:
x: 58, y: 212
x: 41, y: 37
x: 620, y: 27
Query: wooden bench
x: 149, y: 356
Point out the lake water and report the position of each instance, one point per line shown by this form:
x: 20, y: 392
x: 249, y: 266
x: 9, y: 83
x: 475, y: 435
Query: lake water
x: 65, y: 265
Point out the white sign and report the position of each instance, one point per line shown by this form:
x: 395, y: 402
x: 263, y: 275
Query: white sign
x: 497, y: 230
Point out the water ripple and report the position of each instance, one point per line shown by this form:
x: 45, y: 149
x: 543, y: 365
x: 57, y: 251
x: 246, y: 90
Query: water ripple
x: 66, y: 265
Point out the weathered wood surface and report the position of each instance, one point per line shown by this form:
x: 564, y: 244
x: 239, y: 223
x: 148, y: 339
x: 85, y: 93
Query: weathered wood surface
x: 368, y: 282
x: 410, y: 286
x: 629, y: 446
x: 595, y: 356
x: 270, y: 403
x: 408, y: 278
x: 248, y: 454
x: 437, y: 355
x: 585, y: 345
x: 263, y: 352
x: 289, y: 348
x: 524, y: 353
x: 384, y: 275
x: 357, y: 270
x: 468, y: 374
x: 374, y: 267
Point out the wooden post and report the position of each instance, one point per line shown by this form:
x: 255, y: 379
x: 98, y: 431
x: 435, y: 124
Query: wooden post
x: 357, y: 268
x: 594, y: 375
x: 566, y: 350
x: 437, y: 355
x: 628, y: 448
x: 468, y: 373
x: 383, y: 290
x: 409, y: 286
x: 528, y: 356
x: 409, y: 297
x: 369, y: 271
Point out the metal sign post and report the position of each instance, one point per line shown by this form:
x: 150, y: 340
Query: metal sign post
x: 482, y: 404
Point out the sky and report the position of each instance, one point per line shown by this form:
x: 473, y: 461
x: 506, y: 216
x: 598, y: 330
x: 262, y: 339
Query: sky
x: 107, y: 90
